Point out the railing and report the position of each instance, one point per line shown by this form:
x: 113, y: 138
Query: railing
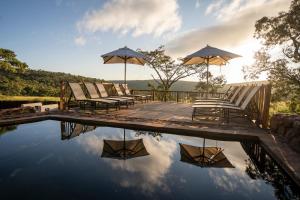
x: 176, y: 96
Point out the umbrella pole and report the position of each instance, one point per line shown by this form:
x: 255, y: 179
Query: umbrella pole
x: 125, y: 71
x: 203, y: 147
x: 124, y: 144
x: 207, y: 65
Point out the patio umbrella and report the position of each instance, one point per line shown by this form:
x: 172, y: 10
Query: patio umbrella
x: 204, y: 156
x: 122, y: 149
x: 209, y: 56
x: 124, y: 55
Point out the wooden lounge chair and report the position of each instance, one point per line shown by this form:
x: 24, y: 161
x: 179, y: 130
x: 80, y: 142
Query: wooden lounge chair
x: 136, y: 96
x: 236, y: 103
x: 104, y: 94
x: 230, y: 100
x: 226, y: 96
x: 227, y: 108
x: 120, y: 93
x: 80, y: 97
x: 94, y: 94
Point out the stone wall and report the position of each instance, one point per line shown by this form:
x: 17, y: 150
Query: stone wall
x: 287, y: 126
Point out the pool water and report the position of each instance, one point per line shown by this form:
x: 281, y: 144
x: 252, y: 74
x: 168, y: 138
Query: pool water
x: 63, y: 160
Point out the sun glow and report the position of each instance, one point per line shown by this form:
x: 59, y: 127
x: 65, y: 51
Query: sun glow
x: 233, y: 70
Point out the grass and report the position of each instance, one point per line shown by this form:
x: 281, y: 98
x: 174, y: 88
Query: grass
x: 27, y: 98
x: 283, y: 107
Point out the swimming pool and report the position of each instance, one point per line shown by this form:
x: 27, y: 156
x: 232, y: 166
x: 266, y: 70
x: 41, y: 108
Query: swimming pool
x: 64, y: 160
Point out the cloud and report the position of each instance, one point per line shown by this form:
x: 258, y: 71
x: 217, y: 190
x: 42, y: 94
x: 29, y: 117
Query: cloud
x: 137, y: 17
x: 213, y: 6
x: 198, y: 3
x: 149, y: 171
x: 80, y: 41
x: 236, y: 22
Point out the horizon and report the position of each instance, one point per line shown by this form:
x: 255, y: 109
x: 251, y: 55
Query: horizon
x: 70, y: 35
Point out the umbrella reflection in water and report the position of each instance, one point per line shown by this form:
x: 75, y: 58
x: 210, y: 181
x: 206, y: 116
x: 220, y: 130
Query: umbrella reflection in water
x: 70, y: 130
x: 204, y: 156
x: 122, y: 149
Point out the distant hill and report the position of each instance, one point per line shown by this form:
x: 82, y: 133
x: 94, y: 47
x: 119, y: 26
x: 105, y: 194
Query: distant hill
x: 143, y: 84
x: 36, y: 82
x: 46, y: 83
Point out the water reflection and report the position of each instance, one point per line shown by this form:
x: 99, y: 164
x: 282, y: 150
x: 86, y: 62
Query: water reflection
x: 253, y: 167
x: 122, y: 149
x: 261, y: 166
x: 157, y: 135
x: 6, y: 129
x: 70, y: 130
x: 204, y: 156
x: 146, y: 173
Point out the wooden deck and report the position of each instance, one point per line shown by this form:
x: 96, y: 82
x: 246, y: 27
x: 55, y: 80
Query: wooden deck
x: 180, y: 112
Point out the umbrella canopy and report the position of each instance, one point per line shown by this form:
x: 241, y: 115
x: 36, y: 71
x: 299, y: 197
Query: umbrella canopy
x: 209, y: 56
x: 204, y: 156
x: 121, y: 149
x: 124, y: 55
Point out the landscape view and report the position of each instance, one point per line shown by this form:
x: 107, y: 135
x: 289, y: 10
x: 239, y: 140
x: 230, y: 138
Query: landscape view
x: 160, y: 99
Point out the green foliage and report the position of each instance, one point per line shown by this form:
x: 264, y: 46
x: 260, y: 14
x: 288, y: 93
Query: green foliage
x: 283, y: 69
x: 284, y: 107
x: 5, y: 129
x: 214, y: 83
x: 35, y: 82
x: 28, y: 98
x: 9, y: 62
x: 283, y: 29
x: 167, y: 70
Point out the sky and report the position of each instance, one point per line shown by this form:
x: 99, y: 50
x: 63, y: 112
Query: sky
x: 71, y: 35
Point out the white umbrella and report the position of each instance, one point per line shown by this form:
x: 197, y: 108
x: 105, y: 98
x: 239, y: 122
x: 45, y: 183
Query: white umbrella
x: 124, y: 55
x: 209, y: 56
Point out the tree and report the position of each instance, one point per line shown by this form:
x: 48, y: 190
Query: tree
x: 9, y: 62
x: 214, y: 83
x: 167, y: 70
x: 282, y: 68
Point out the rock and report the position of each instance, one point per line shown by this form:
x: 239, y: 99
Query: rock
x: 287, y: 121
x: 276, y: 121
x: 281, y: 130
x: 273, y: 124
x: 295, y: 144
x: 296, y: 124
x: 288, y: 126
x: 291, y: 134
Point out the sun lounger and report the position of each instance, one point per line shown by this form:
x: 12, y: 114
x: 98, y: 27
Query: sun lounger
x: 227, y: 108
x: 120, y: 93
x: 80, y: 97
x: 236, y: 103
x: 226, y: 96
x: 138, y: 97
x: 94, y: 94
x: 231, y: 100
x: 104, y: 94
